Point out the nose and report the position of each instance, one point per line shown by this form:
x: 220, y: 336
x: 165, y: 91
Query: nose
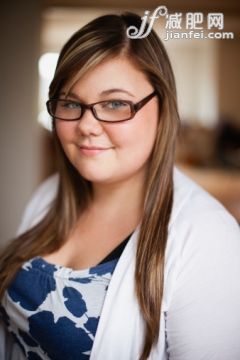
x: 88, y: 124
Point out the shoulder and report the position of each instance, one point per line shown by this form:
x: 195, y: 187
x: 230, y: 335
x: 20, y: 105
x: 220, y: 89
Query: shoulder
x: 189, y: 196
x: 39, y: 203
x: 198, y: 219
x: 193, y: 205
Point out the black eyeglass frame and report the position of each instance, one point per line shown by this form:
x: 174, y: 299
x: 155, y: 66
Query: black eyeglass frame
x: 134, y: 107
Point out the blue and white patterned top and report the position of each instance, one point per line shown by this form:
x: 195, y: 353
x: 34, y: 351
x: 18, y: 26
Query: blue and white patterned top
x: 53, y: 311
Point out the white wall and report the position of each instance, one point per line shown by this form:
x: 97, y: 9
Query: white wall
x: 195, y: 67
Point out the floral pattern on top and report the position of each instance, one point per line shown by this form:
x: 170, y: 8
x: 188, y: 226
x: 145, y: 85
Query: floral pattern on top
x: 53, y: 311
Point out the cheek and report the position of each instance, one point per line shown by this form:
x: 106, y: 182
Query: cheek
x: 65, y: 132
x: 143, y: 141
x: 135, y: 138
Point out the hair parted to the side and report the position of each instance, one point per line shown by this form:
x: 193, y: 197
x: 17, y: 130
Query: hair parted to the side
x: 100, y: 39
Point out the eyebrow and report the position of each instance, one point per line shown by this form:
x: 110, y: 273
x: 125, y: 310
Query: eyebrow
x: 110, y: 91
x: 70, y: 94
x: 104, y: 92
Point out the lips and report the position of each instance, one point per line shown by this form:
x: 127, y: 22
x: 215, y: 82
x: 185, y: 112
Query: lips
x: 93, y: 147
x: 92, y: 150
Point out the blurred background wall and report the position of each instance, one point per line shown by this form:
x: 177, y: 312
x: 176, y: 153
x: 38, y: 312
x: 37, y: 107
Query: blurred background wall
x: 207, y: 75
x: 19, y: 134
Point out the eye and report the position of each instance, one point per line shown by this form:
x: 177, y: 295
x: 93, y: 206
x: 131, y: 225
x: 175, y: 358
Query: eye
x: 115, y: 105
x: 70, y: 105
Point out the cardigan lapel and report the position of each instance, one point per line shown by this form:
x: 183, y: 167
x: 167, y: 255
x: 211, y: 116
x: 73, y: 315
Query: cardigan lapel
x: 120, y: 329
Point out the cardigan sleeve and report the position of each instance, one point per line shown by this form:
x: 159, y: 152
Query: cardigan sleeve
x: 203, y: 318
x: 9, y: 350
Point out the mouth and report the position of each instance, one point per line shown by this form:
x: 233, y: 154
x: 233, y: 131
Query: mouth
x: 92, y: 150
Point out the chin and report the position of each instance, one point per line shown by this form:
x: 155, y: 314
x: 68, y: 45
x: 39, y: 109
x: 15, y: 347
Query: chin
x: 94, y: 177
x: 96, y: 172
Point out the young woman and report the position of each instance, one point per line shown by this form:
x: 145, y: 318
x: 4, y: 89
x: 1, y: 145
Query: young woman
x: 119, y: 255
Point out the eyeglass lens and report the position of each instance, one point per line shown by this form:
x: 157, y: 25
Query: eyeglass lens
x: 107, y: 110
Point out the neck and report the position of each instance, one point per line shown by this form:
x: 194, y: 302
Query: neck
x: 124, y: 198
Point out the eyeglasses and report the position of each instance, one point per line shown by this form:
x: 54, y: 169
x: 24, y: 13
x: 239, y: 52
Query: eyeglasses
x: 109, y: 110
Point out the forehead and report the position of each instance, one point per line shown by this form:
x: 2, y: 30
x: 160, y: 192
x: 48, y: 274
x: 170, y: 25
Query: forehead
x: 118, y: 72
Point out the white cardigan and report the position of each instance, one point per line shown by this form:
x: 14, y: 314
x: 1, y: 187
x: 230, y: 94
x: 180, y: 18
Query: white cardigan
x: 200, y: 317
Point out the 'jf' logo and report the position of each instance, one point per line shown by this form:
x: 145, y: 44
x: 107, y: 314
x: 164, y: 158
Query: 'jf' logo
x: 134, y: 33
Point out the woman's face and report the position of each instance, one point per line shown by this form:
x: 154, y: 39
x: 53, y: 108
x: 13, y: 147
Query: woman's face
x: 127, y: 145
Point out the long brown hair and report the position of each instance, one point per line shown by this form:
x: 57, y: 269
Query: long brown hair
x: 102, y: 38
